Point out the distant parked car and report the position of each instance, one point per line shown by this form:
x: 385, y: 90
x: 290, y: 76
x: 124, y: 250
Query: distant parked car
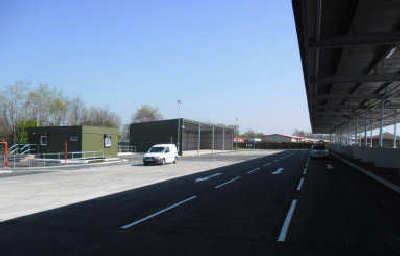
x: 319, y: 150
x: 161, y: 154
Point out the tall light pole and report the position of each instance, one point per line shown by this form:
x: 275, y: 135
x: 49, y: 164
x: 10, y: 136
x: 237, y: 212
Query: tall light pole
x: 179, y: 108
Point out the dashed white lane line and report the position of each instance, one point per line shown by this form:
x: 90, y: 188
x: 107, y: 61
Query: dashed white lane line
x: 5, y: 172
x: 286, y: 224
x: 307, y: 163
x: 157, y: 213
x: 278, y: 171
x: 266, y: 164
x: 226, y: 183
x: 276, y: 160
x: 254, y: 170
x: 201, y: 179
x: 330, y: 167
x: 300, y: 184
x: 306, y: 166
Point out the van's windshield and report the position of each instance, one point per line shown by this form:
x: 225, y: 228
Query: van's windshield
x: 156, y: 149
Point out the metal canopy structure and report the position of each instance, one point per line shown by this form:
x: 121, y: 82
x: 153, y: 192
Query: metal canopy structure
x: 350, y: 51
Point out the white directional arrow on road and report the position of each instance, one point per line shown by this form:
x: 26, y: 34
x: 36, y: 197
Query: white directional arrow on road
x: 201, y: 179
x: 278, y: 171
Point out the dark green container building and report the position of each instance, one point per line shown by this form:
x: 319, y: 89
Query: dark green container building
x: 51, y: 139
x: 184, y: 133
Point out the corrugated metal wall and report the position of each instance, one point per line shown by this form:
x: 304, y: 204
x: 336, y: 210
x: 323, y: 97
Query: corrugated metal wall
x: 144, y: 135
x: 190, y: 135
x: 205, y: 137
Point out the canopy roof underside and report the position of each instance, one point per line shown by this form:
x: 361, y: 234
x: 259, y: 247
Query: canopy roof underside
x: 350, y: 51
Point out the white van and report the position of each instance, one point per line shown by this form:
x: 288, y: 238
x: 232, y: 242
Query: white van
x: 161, y: 154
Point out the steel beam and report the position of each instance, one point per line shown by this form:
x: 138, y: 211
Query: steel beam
x: 346, y: 96
x: 388, y: 77
x: 355, y: 40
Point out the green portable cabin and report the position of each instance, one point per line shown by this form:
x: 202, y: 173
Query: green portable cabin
x: 52, y: 139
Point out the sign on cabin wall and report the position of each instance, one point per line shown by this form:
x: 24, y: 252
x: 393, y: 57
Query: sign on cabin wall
x: 107, y: 141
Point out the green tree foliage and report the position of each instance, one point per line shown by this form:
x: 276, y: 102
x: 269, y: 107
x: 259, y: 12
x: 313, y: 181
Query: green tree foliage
x: 146, y: 113
x: 250, y: 134
x: 22, y: 130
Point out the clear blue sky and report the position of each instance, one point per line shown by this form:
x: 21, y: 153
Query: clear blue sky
x: 224, y: 59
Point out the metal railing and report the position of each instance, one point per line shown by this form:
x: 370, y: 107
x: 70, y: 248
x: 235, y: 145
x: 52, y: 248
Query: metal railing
x: 21, y: 149
x: 126, y: 148
x: 51, y: 159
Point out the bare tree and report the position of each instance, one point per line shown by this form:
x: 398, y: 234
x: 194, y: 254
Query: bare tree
x: 47, y: 106
x: 76, y: 111
x: 125, y: 132
x: 12, y: 108
x: 146, y: 113
x: 22, y: 107
x: 101, y: 117
x: 5, y: 130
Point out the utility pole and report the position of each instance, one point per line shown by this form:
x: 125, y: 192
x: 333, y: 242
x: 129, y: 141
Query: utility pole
x: 179, y: 108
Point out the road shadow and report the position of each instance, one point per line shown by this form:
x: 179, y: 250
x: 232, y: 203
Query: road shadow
x: 92, y: 227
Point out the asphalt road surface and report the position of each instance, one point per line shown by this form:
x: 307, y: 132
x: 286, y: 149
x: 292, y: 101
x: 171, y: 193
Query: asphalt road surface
x: 283, y: 204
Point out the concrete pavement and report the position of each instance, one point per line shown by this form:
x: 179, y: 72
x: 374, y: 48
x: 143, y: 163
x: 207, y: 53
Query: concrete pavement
x: 244, y: 210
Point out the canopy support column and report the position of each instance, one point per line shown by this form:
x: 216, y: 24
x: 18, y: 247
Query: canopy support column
x: 198, y: 139
x: 370, y: 134
x: 365, y: 133
x: 395, y: 131
x: 356, y: 131
x: 381, y: 127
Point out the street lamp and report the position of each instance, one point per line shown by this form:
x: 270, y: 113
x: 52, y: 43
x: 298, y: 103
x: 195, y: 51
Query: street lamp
x: 179, y: 107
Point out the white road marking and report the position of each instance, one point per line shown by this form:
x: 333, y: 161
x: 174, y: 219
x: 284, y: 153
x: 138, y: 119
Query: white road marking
x: 254, y: 170
x: 330, y: 167
x: 306, y: 166
x: 266, y: 164
x: 157, y: 213
x: 201, y: 179
x: 5, y: 172
x: 286, y: 224
x: 278, y: 171
x: 226, y: 183
x: 276, y: 160
x: 300, y: 184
